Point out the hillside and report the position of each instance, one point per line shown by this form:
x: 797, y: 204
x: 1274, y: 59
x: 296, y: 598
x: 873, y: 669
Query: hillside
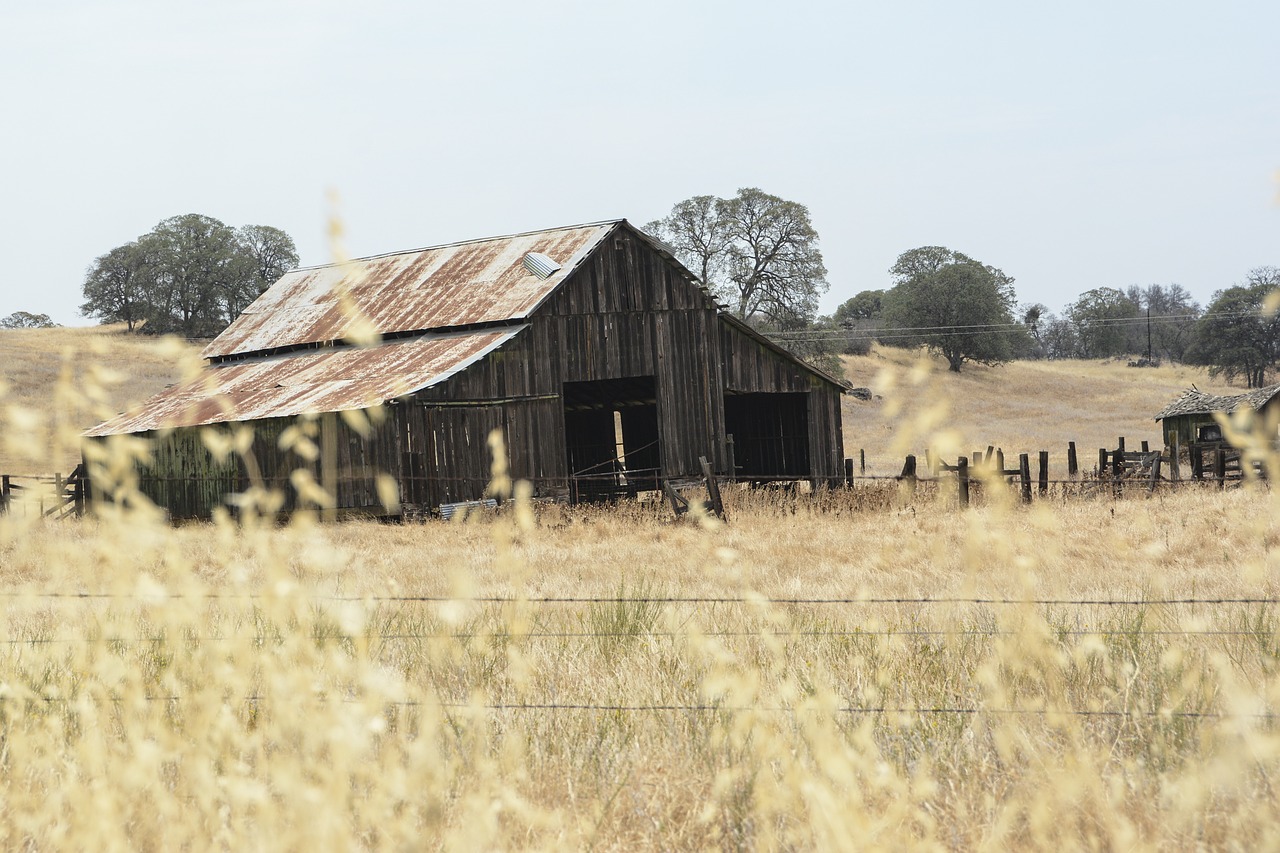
x: 1022, y: 407
x: 105, y: 364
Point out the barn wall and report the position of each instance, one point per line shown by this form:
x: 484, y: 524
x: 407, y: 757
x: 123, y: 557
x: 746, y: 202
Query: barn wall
x: 751, y: 366
x: 626, y: 312
x: 185, y: 478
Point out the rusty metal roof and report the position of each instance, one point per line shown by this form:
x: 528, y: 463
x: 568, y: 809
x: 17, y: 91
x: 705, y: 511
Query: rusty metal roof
x: 323, y: 380
x: 461, y: 284
x: 1196, y: 402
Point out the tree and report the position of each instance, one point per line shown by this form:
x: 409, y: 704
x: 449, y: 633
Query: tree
x: 960, y: 308
x: 115, y: 288
x: 1238, y: 337
x: 273, y: 253
x: 756, y: 252
x: 1103, y: 318
x: 866, y: 305
x: 26, y: 320
x: 190, y: 275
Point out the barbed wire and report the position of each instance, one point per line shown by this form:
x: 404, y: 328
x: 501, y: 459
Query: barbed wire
x: 161, y: 597
x: 710, y: 707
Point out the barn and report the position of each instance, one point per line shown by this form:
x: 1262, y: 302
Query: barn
x: 602, y: 360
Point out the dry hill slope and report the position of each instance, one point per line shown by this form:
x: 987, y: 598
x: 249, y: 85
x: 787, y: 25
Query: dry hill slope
x: 127, y: 368
x: 1022, y: 407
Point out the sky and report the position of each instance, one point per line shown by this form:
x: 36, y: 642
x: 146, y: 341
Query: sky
x: 1073, y: 145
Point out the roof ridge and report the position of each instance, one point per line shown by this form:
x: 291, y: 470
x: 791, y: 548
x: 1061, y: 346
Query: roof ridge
x: 512, y: 236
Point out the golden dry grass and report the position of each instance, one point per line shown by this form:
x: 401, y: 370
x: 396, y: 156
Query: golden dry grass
x: 1022, y: 407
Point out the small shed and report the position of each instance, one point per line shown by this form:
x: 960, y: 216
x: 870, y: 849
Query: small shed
x: 1186, y: 416
x: 604, y: 363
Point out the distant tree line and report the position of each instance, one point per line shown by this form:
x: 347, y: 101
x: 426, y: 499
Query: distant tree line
x: 190, y: 275
x: 758, y: 255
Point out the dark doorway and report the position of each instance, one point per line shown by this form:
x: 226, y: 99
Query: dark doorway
x: 770, y: 435
x: 611, y: 437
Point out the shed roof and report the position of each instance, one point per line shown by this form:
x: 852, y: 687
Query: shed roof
x: 332, y: 379
x: 459, y: 284
x: 1196, y: 402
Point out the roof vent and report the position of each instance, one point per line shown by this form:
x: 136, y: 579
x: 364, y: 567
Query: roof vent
x: 540, y: 265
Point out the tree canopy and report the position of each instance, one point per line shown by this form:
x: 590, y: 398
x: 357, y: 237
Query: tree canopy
x: 191, y: 275
x: 756, y: 252
x: 26, y: 320
x: 960, y: 308
x: 1238, y: 337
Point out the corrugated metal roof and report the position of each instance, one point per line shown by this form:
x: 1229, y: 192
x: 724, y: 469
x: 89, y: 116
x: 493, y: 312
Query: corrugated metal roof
x: 324, y: 380
x: 1196, y: 402
x: 481, y: 281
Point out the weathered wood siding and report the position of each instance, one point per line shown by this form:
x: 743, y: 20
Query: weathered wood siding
x: 187, y: 480
x: 752, y: 366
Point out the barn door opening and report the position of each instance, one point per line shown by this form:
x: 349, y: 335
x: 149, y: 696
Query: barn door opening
x: 770, y: 435
x: 611, y: 437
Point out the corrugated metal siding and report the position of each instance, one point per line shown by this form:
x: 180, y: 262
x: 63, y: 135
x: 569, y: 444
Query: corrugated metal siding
x: 463, y: 284
x: 328, y: 380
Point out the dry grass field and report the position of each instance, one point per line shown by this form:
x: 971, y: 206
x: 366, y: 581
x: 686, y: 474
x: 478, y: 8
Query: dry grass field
x: 839, y: 671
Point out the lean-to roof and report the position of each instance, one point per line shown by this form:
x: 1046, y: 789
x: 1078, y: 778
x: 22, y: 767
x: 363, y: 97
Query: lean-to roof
x: 332, y: 379
x: 461, y: 284
x: 1196, y: 402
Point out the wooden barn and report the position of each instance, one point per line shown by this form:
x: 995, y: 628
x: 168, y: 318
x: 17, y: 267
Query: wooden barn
x: 607, y: 367
x: 1190, y: 418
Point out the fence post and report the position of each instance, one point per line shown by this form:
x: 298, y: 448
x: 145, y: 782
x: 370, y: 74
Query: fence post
x: 1175, y: 464
x: 5, y: 492
x: 1220, y: 467
x: 1073, y: 463
x: 1146, y: 448
x: 962, y: 481
x: 1117, y: 469
x: 1000, y: 463
x: 1102, y: 463
x: 848, y: 471
x: 713, y: 488
x: 1155, y: 472
x: 1044, y: 473
x: 1024, y: 473
x: 1120, y: 446
x: 909, y: 476
x: 862, y: 461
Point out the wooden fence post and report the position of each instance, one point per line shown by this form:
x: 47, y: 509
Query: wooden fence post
x: 1175, y: 463
x: 1145, y: 447
x: 848, y: 471
x: 862, y: 461
x: 1000, y: 462
x: 5, y: 493
x: 1102, y: 463
x: 713, y: 488
x: 1155, y: 472
x: 1024, y: 473
x: 909, y: 476
x: 1120, y: 446
x: 1117, y: 469
x: 1044, y: 473
x: 962, y: 481
x: 1220, y: 467
x: 1073, y: 462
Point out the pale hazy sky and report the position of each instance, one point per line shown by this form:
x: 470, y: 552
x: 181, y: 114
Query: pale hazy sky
x: 1074, y: 145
